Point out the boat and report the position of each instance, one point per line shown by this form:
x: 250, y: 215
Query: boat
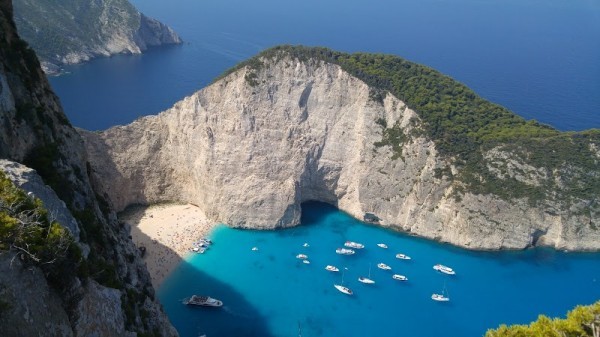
x: 254, y: 249
x: 402, y: 257
x: 302, y: 256
x: 366, y: 280
x: 440, y: 298
x: 344, y: 251
x: 205, y: 301
x: 399, y: 277
x: 354, y: 245
x: 306, y: 245
x: 331, y: 268
x: 305, y: 261
x: 383, y: 266
x: 444, y: 269
x: 382, y: 245
x: 199, y: 250
x: 341, y: 287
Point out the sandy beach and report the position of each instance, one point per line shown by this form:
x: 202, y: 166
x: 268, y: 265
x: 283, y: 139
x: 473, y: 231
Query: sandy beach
x: 167, y: 231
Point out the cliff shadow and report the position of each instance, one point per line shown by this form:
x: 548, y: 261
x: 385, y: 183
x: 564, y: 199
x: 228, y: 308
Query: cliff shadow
x: 237, y: 316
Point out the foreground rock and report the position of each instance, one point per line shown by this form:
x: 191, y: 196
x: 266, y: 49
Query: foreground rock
x: 250, y: 148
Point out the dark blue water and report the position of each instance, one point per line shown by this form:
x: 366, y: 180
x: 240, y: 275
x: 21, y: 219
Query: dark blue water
x: 539, y: 58
x: 269, y: 292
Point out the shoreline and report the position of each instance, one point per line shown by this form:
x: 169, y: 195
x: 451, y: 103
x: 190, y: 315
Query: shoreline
x: 167, y: 231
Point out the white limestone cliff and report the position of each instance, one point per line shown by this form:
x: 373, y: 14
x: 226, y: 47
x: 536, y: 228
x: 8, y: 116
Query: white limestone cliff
x: 250, y: 148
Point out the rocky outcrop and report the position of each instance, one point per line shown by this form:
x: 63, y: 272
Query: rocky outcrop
x: 77, y: 31
x: 250, y: 148
x: 34, y: 134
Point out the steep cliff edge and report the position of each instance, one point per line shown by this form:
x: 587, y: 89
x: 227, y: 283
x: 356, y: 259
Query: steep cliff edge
x: 58, y: 284
x: 74, y: 31
x: 293, y: 124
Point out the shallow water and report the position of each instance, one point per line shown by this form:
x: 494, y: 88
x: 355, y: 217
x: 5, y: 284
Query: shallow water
x: 271, y: 293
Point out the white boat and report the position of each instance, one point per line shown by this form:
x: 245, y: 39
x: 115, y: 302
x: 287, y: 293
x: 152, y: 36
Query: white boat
x: 402, y: 257
x: 302, y: 256
x: 205, y: 301
x: 254, y: 249
x: 366, y: 280
x: 440, y: 298
x: 199, y: 250
x: 344, y: 251
x: 354, y: 245
x: 382, y: 245
x: 383, y: 266
x: 399, y: 277
x: 306, y: 245
x: 343, y: 289
x: 305, y: 261
x: 331, y: 268
x: 444, y: 269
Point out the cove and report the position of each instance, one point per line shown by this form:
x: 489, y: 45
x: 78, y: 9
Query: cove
x: 271, y: 293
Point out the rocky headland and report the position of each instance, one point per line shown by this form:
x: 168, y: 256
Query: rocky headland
x: 296, y: 124
x: 70, y: 32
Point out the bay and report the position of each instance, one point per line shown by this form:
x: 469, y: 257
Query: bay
x: 539, y: 58
x: 269, y: 292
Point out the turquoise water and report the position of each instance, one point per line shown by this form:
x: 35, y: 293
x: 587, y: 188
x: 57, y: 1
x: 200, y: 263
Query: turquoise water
x: 539, y: 58
x: 271, y: 293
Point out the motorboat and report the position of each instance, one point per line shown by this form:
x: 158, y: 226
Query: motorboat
x: 444, y: 269
x: 305, y: 245
x: 354, y: 245
x: 383, y: 266
x: 254, y: 249
x: 331, y: 268
x: 343, y: 289
x: 382, y: 245
x: 302, y: 256
x: 199, y: 250
x: 344, y: 251
x: 305, y: 261
x: 399, y: 277
x: 402, y: 257
x: 205, y: 301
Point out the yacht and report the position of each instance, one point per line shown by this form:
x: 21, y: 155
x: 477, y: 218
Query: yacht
x: 383, y: 266
x: 205, y: 301
x: 305, y: 261
x: 354, y: 245
x: 366, y: 280
x: 344, y: 251
x: 444, y: 269
x: 440, y: 298
x: 402, y: 257
x: 399, y: 277
x: 331, y: 268
x: 382, y: 245
x: 343, y: 289
x: 302, y: 256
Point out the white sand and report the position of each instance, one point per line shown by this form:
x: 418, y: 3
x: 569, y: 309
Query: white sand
x: 167, y: 231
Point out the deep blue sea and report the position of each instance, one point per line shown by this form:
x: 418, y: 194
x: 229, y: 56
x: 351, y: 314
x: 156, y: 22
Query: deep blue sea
x: 271, y: 293
x: 539, y: 58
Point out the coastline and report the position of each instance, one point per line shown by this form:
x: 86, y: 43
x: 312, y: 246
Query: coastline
x: 167, y: 231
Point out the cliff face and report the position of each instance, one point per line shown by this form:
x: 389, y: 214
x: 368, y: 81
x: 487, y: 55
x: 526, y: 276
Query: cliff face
x: 110, y: 276
x: 74, y: 31
x: 250, y: 148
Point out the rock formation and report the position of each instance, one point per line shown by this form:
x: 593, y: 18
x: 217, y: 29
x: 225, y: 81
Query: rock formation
x: 71, y: 32
x: 254, y: 145
x: 110, y: 288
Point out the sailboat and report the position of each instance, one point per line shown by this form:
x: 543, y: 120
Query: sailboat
x: 341, y: 287
x: 443, y: 297
x: 366, y: 280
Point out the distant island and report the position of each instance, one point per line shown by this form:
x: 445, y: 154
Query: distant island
x: 69, y: 32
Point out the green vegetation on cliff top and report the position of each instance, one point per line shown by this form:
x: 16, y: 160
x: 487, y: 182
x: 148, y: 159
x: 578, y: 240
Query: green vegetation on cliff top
x: 583, y: 321
x: 465, y: 126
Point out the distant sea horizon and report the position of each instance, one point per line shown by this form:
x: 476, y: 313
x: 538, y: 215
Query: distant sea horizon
x: 536, y: 58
